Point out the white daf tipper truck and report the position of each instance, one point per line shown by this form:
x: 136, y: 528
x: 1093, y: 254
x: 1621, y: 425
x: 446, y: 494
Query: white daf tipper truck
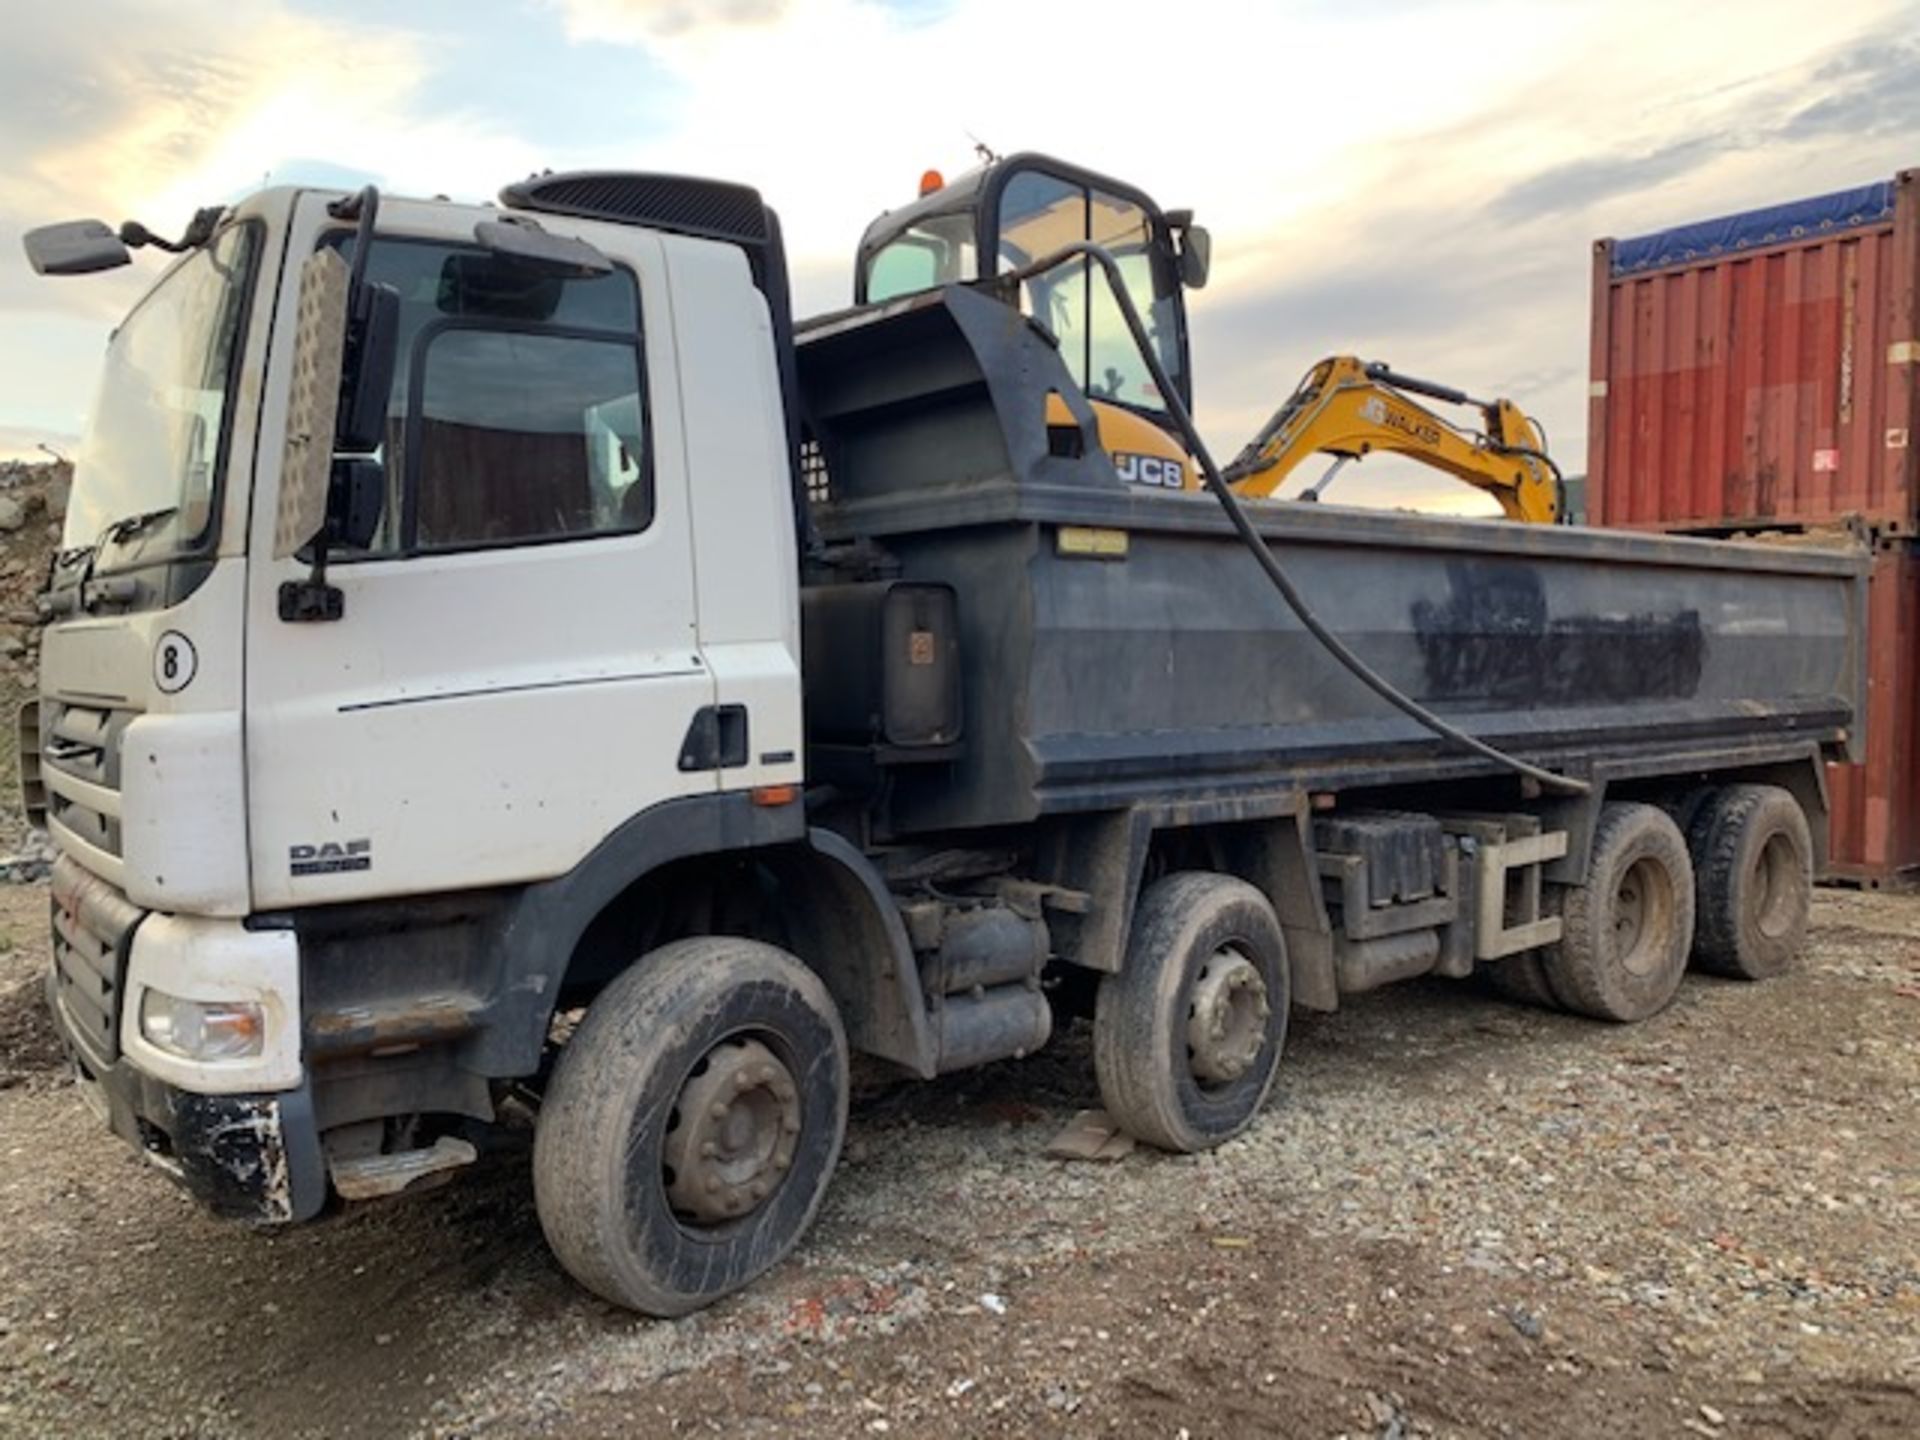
x: 493, y: 654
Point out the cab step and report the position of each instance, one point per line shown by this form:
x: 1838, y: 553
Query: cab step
x: 374, y: 1177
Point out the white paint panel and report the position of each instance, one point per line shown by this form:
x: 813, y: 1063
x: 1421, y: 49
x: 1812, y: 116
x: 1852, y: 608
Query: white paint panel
x: 745, y: 558
x: 182, y: 789
x: 183, y: 832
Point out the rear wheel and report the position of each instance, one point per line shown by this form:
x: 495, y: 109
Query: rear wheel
x: 1623, y: 949
x: 691, y: 1125
x: 1753, y: 863
x: 1186, y: 1038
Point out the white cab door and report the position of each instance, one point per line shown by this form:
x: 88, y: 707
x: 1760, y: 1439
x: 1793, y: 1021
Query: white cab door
x: 518, y: 663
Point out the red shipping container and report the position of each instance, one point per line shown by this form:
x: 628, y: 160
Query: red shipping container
x: 1875, y: 832
x: 1760, y: 370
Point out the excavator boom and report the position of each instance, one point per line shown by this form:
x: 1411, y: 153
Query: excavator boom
x: 1350, y: 409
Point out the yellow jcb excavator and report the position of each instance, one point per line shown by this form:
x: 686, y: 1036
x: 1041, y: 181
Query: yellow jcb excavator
x: 1013, y: 210
x: 1349, y: 409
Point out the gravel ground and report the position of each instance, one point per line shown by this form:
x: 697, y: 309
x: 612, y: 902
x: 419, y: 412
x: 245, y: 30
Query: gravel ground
x: 1458, y: 1217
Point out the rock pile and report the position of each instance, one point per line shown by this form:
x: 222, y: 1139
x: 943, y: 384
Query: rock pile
x: 33, y: 504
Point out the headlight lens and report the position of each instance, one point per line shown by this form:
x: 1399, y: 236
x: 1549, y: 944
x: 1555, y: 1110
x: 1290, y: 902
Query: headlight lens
x: 202, y: 1029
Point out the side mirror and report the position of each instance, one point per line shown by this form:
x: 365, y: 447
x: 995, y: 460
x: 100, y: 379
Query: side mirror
x: 75, y: 247
x: 355, y: 499
x: 362, y: 424
x: 1196, y: 256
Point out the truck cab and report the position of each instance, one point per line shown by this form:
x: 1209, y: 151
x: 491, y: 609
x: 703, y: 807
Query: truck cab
x: 550, y: 626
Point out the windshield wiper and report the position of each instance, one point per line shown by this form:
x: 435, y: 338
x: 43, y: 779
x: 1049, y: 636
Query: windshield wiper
x: 128, y: 526
x: 86, y: 556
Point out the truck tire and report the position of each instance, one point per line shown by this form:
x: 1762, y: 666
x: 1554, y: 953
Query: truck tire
x: 1187, y: 1036
x: 691, y: 1124
x: 1753, y: 881
x: 1623, y: 950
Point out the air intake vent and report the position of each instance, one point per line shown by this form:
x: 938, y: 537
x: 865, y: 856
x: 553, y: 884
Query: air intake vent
x: 813, y: 474
x: 713, y: 209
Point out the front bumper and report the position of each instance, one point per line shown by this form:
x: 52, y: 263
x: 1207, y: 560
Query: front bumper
x: 245, y: 1157
x: 239, y: 1134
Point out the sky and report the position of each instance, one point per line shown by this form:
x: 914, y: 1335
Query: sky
x: 1419, y: 183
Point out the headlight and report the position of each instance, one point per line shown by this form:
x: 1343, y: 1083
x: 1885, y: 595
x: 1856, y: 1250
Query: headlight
x: 202, y: 1029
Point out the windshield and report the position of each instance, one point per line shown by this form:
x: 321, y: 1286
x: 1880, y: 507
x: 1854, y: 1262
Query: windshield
x: 149, y: 469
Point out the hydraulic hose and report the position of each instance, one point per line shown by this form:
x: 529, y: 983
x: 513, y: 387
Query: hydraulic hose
x: 1262, y: 552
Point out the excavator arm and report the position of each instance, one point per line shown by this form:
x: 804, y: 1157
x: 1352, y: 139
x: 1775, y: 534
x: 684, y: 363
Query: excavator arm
x: 1350, y: 409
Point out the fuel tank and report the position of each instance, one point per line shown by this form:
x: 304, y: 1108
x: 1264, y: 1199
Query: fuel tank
x: 1118, y: 642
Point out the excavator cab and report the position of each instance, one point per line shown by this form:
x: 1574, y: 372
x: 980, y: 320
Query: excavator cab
x: 1013, y: 211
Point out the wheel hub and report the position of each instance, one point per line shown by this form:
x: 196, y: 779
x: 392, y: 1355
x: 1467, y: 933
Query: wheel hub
x: 1640, y: 916
x: 1776, y: 883
x: 1227, y: 1024
x: 731, y: 1137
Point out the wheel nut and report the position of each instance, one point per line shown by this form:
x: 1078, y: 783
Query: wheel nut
x: 718, y: 1110
x: 708, y: 1149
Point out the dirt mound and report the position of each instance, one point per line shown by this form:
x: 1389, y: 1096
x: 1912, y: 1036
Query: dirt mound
x: 29, y: 1049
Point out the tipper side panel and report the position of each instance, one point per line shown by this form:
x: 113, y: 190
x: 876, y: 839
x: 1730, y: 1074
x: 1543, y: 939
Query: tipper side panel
x: 1150, y: 660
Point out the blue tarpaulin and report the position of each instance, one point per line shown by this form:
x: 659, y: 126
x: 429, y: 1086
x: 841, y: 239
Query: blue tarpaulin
x: 1775, y: 225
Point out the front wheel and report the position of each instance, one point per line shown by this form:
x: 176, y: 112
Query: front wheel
x: 1186, y: 1038
x: 691, y: 1125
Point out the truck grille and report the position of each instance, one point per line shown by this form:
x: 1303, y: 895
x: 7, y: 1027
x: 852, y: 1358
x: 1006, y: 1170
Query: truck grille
x: 80, y: 768
x: 93, y: 925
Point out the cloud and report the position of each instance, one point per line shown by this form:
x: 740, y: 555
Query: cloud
x: 643, y: 21
x: 1872, y: 89
x: 1589, y: 180
x: 187, y: 108
x: 1486, y: 285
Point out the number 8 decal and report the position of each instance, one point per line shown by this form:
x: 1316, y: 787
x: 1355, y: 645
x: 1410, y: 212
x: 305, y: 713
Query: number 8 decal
x: 174, y: 662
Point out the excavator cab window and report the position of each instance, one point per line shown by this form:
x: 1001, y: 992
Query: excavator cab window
x: 1016, y: 210
x: 938, y: 250
x: 1039, y: 214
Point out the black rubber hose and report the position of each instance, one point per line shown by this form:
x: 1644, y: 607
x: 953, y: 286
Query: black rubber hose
x: 1237, y: 514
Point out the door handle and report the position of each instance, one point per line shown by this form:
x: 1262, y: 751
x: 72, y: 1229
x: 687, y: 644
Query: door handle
x: 716, y: 740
